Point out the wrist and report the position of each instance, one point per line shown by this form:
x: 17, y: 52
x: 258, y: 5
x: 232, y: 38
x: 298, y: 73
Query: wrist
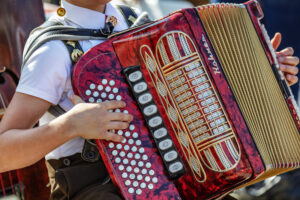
x: 63, y: 127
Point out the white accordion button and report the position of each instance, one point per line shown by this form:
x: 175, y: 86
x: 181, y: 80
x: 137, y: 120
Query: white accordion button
x: 104, y: 81
x: 139, y: 177
x: 131, y: 127
x: 160, y: 133
x: 130, y: 141
x: 131, y: 190
x: 124, y: 175
x: 141, y: 150
x: 91, y: 100
x: 100, y: 87
x: 129, y: 155
x: 144, y: 171
x: 138, y: 191
x: 133, y: 163
x: 147, y: 179
x: 114, y: 152
x: 148, y: 165
x: 140, y: 87
x: 122, y: 154
x: 136, y: 170
x: 135, y: 135
x: 111, y: 96
x: 120, y: 132
x: 137, y: 156
x: 150, y: 110
x: 92, y: 86
x: 150, y: 186
x: 107, y: 89
x: 143, y: 185
x: 140, y: 164
x: 115, y: 90
x: 134, y: 149
x: 138, y: 142
x: 135, y: 76
x: 170, y: 156
x: 118, y: 98
x: 112, y: 82
x: 103, y: 95
x: 151, y: 172
x: 165, y: 144
x: 121, y: 167
x: 132, y: 176
x: 145, y: 157
x: 118, y: 160
x: 125, y: 161
x: 145, y: 98
x: 175, y: 167
x: 127, y: 182
x: 129, y: 169
x: 154, y: 180
x: 135, y: 183
x: 96, y: 94
x: 126, y: 147
x: 111, y: 145
x: 127, y: 134
x: 88, y: 92
x: 155, y: 121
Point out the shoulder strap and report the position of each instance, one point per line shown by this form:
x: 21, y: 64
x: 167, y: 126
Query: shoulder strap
x: 128, y: 13
x: 56, y: 31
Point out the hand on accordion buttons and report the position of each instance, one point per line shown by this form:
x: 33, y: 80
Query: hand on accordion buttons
x: 94, y: 120
x: 287, y: 62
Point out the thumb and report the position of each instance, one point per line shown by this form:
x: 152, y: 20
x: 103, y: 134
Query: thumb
x: 276, y: 41
x: 75, y: 99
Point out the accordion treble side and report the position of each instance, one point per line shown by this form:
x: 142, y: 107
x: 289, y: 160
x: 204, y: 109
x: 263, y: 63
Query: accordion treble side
x: 211, y: 111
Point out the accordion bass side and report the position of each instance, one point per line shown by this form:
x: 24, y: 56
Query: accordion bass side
x: 212, y: 113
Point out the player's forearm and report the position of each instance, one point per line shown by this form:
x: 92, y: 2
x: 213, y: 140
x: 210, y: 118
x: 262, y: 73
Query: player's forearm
x: 20, y: 148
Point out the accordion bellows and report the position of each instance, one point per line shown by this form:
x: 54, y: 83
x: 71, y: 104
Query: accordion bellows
x: 254, y: 85
x: 212, y: 113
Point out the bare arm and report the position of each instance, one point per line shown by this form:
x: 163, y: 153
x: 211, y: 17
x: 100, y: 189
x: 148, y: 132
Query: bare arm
x: 21, y: 145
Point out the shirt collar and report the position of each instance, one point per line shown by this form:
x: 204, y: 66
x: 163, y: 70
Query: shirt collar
x: 86, y: 18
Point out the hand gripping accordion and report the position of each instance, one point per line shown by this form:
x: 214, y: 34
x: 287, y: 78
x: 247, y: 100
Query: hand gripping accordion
x: 212, y: 113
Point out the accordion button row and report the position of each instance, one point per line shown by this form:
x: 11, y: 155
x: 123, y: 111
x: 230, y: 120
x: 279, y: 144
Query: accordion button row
x: 154, y: 122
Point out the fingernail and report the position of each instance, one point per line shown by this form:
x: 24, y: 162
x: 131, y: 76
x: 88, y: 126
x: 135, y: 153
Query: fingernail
x: 282, y: 67
x: 281, y: 59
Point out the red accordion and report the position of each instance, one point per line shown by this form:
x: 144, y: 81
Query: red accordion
x: 212, y: 113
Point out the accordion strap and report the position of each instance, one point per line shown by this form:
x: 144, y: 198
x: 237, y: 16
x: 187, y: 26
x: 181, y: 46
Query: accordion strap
x: 128, y: 13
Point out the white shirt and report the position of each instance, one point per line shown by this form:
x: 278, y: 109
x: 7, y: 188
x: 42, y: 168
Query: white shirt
x: 46, y: 74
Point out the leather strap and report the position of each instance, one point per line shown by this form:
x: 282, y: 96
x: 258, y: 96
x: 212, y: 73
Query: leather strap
x: 128, y: 13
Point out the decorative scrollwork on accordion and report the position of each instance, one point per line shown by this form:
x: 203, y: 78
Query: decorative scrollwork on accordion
x: 192, y: 104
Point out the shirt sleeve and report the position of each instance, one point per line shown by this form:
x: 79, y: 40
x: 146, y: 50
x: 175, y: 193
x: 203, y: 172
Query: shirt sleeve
x: 46, y: 72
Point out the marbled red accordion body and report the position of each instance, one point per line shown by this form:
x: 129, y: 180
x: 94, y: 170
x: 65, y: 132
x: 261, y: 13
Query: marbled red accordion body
x: 223, y: 158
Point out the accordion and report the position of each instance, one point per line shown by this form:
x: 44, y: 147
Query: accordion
x: 212, y: 112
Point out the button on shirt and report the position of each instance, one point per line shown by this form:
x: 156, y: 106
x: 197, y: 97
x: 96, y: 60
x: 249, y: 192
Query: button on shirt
x: 46, y: 74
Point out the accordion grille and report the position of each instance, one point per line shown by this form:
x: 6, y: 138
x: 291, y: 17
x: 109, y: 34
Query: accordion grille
x: 253, y: 83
